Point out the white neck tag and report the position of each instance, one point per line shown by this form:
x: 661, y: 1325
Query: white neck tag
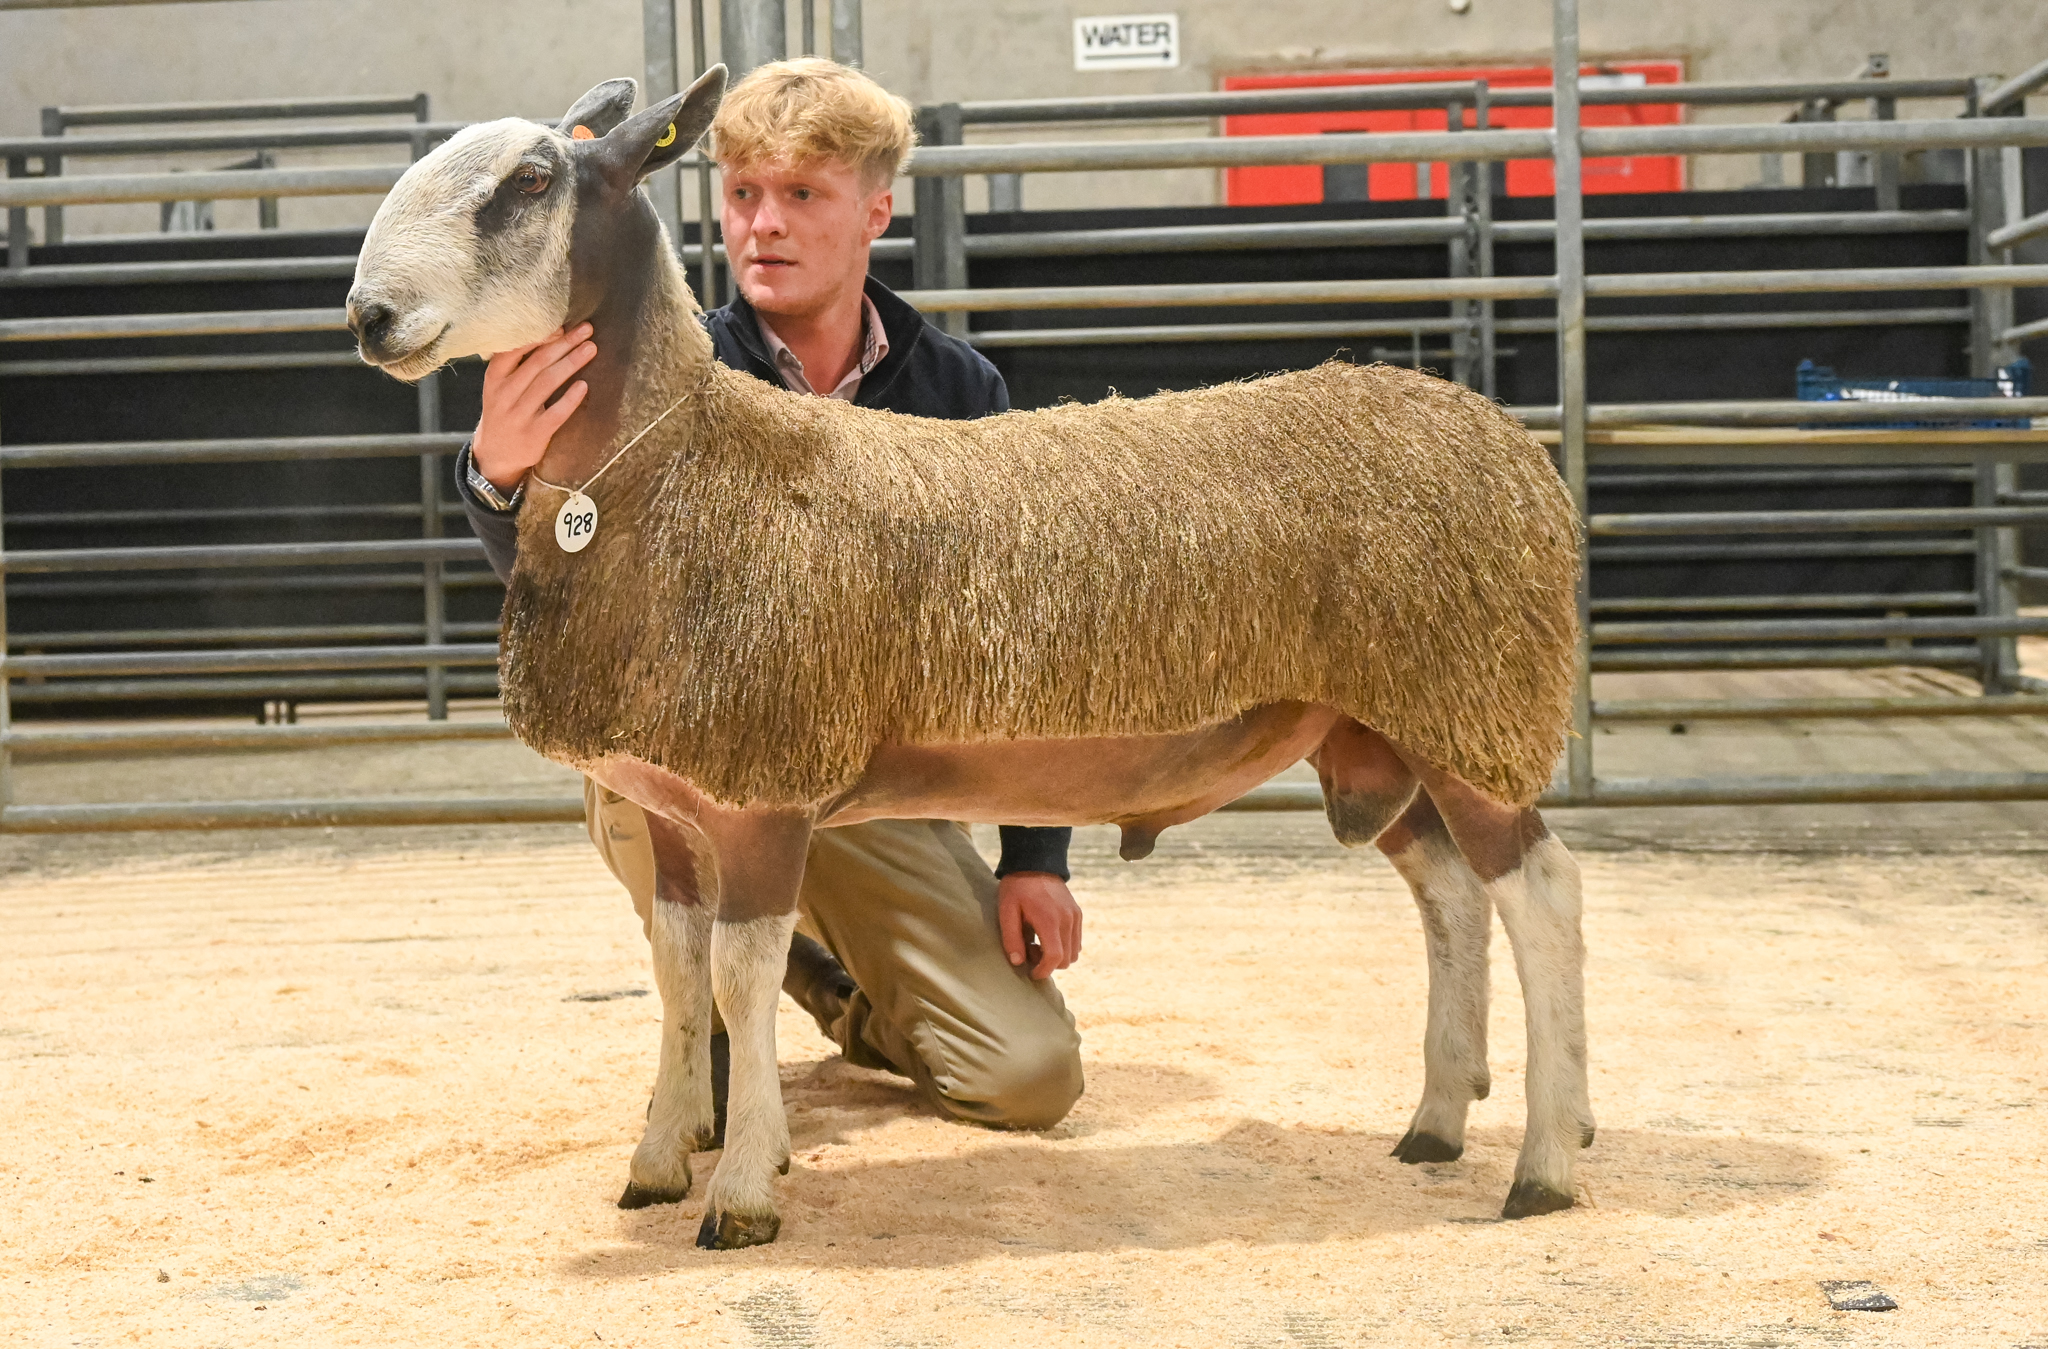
x: 576, y: 523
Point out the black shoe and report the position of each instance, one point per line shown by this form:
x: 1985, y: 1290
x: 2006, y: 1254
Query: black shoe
x: 818, y: 982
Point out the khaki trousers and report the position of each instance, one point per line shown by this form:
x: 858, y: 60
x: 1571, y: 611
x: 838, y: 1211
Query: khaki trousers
x: 909, y: 908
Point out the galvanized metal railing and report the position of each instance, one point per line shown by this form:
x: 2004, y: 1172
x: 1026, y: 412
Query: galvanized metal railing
x: 1715, y: 438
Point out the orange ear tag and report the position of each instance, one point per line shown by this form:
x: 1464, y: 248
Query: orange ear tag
x: 583, y: 133
x: 668, y: 138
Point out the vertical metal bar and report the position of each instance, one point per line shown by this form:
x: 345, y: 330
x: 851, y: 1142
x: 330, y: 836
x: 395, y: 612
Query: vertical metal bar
x: 939, y: 227
x: 6, y: 707
x: 435, y: 587
x: 1571, y: 361
x: 846, y: 34
x: 1820, y: 169
x: 17, y: 220
x: 1997, y: 593
x: 1458, y: 202
x: 1884, y: 168
x: 707, y: 213
x: 1990, y: 307
x: 658, y: 55
x: 1005, y: 192
x: 752, y: 33
x: 1999, y: 548
x: 266, y: 207
x: 53, y: 165
x: 1482, y: 187
x: 810, y: 28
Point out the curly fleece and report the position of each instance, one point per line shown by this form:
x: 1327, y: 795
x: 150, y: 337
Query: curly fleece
x: 779, y: 584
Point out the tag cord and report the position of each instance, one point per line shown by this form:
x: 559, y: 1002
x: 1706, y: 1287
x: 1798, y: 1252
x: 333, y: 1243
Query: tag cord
x: 620, y: 452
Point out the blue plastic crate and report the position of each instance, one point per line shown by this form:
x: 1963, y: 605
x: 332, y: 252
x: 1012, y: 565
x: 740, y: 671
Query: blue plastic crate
x: 1819, y: 384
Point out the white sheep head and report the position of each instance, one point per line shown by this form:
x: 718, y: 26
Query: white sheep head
x: 498, y: 237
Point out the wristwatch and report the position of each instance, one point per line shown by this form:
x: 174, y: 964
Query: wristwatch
x: 487, y: 491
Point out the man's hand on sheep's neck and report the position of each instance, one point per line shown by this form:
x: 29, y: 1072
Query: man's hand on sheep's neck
x: 1035, y: 908
x: 519, y: 420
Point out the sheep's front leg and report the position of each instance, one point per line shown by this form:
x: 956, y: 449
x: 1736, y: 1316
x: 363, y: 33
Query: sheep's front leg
x: 760, y: 867
x: 1457, y: 921
x: 679, y: 1118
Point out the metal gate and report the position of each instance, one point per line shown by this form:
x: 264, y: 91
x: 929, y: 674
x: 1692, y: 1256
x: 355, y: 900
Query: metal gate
x: 1698, y: 438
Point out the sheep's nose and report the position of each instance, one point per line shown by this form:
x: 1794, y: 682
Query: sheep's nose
x: 371, y: 323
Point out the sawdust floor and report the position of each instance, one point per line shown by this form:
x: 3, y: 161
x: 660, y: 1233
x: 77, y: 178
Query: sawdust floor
x: 375, y: 1088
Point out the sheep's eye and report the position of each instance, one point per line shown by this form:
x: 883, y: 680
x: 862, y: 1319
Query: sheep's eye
x: 530, y: 180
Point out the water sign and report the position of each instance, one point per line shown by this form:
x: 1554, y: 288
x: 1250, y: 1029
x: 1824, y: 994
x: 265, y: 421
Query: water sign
x: 1127, y: 42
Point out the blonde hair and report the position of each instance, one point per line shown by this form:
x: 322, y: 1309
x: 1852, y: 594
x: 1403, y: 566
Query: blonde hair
x: 813, y: 109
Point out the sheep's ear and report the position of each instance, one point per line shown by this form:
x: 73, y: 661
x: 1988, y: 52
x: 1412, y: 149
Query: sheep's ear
x: 664, y: 133
x: 598, y: 111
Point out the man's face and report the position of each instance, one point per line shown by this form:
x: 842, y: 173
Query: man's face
x: 798, y: 235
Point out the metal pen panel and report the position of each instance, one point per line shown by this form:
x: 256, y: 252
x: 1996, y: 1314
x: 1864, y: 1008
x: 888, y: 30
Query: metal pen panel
x: 1353, y: 98
x: 99, y: 741
x: 1787, y: 658
x: 1641, y: 604
x: 2014, y: 91
x: 307, y: 814
x: 1571, y: 362
x: 105, y: 664
x: 1812, y: 630
x: 182, y: 273
x: 155, y: 144
x: 251, y: 688
x: 223, y: 323
x: 243, y: 110
x: 34, y: 560
x: 1836, y: 279
x: 1809, y: 522
x: 225, y: 185
x: 1792, y: 709
x: 1232, y: 293
x: 658, y: 61
x: 100, y: 454
x: 1845, y: 788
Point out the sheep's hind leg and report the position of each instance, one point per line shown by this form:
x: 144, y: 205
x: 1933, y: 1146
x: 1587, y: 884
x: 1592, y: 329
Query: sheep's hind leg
x: 679, y: 1118
x: 1456, y: 924
x: 1534, y: 883
x: 761, y: 864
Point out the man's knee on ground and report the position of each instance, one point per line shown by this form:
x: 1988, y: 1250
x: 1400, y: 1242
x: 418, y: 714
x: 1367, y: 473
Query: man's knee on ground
x: 1031, y: 1089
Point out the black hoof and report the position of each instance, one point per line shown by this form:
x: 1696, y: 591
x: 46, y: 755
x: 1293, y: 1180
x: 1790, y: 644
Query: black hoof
x: 641, y: 1196
x: 731, y: 1232
x: 783, y: 1170
x: 1586, y: 1137
x: 1527, y: 1199
x: 1417, y: 1147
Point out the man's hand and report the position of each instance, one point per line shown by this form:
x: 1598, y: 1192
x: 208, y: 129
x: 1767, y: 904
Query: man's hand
x: 518, y: 420
x: 1036, y: 906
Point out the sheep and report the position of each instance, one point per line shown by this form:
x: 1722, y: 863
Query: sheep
x: 789, y: 613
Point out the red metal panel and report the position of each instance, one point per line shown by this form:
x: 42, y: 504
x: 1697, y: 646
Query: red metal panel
x: 1286, y: 185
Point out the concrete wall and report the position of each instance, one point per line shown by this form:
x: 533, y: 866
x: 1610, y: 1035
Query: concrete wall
x: 487, y: 58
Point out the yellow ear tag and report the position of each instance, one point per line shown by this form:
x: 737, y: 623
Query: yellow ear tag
x: 582, y: 133
x: 668, y: 138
